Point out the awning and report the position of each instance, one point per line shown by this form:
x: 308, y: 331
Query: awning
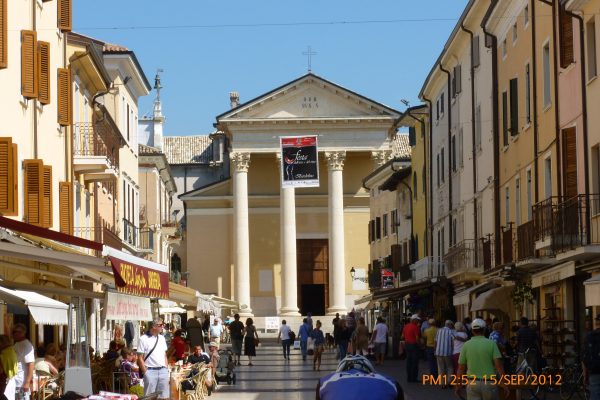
x: 362, y: 302
x: 464, y: 297
x: 123, y: 307
x: 169, y: 307
x: 34, y: 253
x: 182, y: 294
x: 497, y: 299
x: 224, y: 302
x: 592, y: 291
x: 205, y: 304
x: 44, y: 310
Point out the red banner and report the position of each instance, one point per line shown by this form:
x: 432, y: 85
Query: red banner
x: 139, y: 281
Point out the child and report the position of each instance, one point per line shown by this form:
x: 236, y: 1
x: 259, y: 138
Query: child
x: 319, y: 338
x: 129, y: 366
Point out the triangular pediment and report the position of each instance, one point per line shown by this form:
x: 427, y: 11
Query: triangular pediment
x: 216, y: 189
x: 309, y: 96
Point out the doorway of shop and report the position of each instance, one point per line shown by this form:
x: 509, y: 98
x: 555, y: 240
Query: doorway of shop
x: 313, y: 275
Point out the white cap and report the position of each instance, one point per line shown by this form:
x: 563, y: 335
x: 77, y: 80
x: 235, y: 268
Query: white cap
x: 478, y: 323
x: 415, y: 316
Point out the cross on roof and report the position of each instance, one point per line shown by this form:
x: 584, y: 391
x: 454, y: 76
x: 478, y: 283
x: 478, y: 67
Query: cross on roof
x: 309, y: 53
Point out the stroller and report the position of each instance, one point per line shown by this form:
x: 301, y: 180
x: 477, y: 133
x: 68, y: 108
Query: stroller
x: 225, y: 368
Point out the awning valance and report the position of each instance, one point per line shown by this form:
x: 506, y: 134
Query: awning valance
x: 592, y: 291
x: 44, y: 310
x: 497, y: 299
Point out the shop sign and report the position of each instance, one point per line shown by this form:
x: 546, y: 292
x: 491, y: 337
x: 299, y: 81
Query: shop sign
x: 555, y: 274
x: 387, y: 279
x: 299, y: 161
x: 139, y: 281
x: 122, y: 307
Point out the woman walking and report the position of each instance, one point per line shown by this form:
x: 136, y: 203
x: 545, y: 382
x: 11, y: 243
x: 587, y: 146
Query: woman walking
x: 361, y: 338
x: 250, y: 340
x: 319, y: 338
x: 459, y: 338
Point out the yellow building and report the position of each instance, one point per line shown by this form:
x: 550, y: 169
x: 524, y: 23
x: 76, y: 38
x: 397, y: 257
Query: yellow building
x: 302, y: 262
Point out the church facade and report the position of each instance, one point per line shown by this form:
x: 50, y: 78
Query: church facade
x: 285, y: 251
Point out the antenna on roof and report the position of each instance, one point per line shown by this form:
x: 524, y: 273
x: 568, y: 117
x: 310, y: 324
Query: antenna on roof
x: 405, y: 102
x: 157, y: 87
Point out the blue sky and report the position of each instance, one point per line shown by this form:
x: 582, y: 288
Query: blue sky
x: 384, y: 61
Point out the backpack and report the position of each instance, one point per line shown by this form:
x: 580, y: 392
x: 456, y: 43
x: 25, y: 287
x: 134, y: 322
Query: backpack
x: 591, y: 352
x: 292, y: 336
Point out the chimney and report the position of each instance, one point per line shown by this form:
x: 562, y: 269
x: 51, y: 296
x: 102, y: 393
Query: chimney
x: 234, y: 99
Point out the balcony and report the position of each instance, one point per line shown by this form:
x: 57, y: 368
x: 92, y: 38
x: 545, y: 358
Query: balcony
x: 463, y: 260
x: 96, y: 150
x: 103, y: 233
x: 138, y: 240
x: 527, y: 255
x: 544, y: 215
x: 576, y: 228
x: 427, y: 268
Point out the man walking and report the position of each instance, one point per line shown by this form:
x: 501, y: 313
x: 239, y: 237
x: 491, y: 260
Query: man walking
x: 25, y: 361
x: 152, y: 359
x: 429, y: 334
x: 480, y: 358
x: 304, y: 333
x: 216, y: 331
x: 411, y: 334
x: 591, y: 361
x: 379, y: 339
x: 236, y: 331
x: 443, y: 352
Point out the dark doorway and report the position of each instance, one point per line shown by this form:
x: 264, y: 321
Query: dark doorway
x: 313, y: 299
x: 313, y: 275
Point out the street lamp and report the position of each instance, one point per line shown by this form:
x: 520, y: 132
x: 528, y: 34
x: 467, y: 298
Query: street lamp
x: 352, y: 272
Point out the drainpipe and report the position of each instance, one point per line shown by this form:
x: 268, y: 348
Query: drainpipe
x: 495, y: 127
x: 34, y: 101
x: 473, y: 147
x: 556, y: 103
x: 430, y: 192
x: 586, y: 161
x: 449, y: 151
x: 535, y: 108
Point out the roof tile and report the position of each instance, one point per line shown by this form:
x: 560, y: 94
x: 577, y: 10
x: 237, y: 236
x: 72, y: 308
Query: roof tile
x: 401, y: 147
x: 188, y: 149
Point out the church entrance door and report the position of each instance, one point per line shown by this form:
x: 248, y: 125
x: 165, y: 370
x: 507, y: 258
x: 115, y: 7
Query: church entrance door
x: 313, y: 275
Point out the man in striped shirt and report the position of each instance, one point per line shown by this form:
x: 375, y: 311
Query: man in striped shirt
x: 443, y: 351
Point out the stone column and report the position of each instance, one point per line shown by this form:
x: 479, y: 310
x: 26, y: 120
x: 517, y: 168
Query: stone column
x: 241, y: 162
x: 337, y: 273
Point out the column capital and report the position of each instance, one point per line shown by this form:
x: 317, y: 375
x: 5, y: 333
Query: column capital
x: 335, y: 160
x: 240, y: 161
x: 380, y: 157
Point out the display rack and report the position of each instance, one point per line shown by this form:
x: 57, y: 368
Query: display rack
x: 558, y: 338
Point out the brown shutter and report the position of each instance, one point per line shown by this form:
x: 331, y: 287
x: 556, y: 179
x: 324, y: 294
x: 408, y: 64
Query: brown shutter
x: 566, y: 38
x: 34, y: 188
x: 47, y: 198
x: 29, y: 87
x: 65, y: 11
x: 43, y: 72
x: 570, y: 162
x: 6, y: 164
x: 64, y: 96
x: 3, y: 34
x: 66, y: 207
x: 15, y: 181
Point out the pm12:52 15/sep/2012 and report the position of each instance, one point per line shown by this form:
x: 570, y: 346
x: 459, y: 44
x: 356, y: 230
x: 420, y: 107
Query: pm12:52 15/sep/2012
x: 504, y: 380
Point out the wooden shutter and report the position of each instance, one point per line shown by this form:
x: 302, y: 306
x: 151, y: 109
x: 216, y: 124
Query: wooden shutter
x: 47, y: 198
x: 566, y: 38
x: 66, y: 207
x: 412, y: 136
x: 8, y: 177
x: 43, y: 72
x: 569, y: 146
x: 29, y: 86
x: 3, y: 34
x: 475, y: 52
x: 505, y: 118
x: 65, y: 11
x: 34, y: 189
x: 64, y: 96
x: 514, y: 107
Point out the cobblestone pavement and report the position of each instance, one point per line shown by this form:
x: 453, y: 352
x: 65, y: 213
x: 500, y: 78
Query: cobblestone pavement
x: 272, y: 378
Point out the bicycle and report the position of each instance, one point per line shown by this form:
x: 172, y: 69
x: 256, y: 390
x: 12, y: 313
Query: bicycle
x: 573, y: 383
x: 527, y: 370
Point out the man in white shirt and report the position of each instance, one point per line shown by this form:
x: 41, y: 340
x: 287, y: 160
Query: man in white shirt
x: 152, y: 359
x: 215, y: 332
x: 379, y: 339
x: 25, y: 360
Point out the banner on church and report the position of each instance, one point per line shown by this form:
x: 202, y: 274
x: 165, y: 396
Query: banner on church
x: 300, y: 161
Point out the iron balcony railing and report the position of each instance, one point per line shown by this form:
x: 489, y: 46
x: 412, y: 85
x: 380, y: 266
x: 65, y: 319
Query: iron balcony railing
x: 142, y: 239
x: 428, y: 268
x: 462, y: 257
x: 526, y: 241
x: 576, y: 222
x: 96, y: 139
x: 544, y: 215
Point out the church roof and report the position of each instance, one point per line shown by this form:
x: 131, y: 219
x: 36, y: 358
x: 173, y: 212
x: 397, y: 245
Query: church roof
x: 188, y: 149
x: 401, y: 147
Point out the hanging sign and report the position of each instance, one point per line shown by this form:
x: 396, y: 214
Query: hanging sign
x: 300, y: 161
x: 134, y: 279
x: 122, y: 307
x: 387, y: 279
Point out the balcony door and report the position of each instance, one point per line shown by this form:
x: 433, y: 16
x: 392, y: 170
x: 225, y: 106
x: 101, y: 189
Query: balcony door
x: 570, y: 162
x: 313, y: 275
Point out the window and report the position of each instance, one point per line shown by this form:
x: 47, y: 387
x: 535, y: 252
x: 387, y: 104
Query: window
x: 566, y: 38
x: 43, y: 72
x: 443, y: 242
x: 128, y: 116
x: 385, y: 225
x: 423, y: 180
x: 378, y: 228
x: 453, y: 239
x: 437, y: 109
x: 412, y: 136
x: 590, y: 29
x: 514, y: 107
x: 65, y: 195
x: 526, y: 15
x: 442, y: 104
x: 506, y: 206
x: 29, y: 87
x: 530, y: 196
x: 459, y: 151
x: 518, y: 202
x: 546, y: 67
x: 527, y: 94
x: 505, y: 118
x: 414, y: 188
x: 475, y: 52
x: 453, y: 153
x: 65, y: 11
x: 478, y: 127
x: 547, y: 178
x: 456, y: 81
x: 514, y: 33
x: 439, y: 243
x: 438, y: 169
x: 595, y: 176
x: 442, y: 164
x: 394, y: 221
x: 37, y: 193
x: 504, y: 49
x: 9, y: 160
x: 65, y: 97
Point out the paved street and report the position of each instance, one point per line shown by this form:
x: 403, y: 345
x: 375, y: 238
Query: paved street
x: 271, y: 378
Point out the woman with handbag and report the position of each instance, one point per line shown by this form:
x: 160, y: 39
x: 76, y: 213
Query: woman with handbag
x: 250, y: 340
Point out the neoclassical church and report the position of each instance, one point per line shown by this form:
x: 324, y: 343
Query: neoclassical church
x: 284, y: 251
